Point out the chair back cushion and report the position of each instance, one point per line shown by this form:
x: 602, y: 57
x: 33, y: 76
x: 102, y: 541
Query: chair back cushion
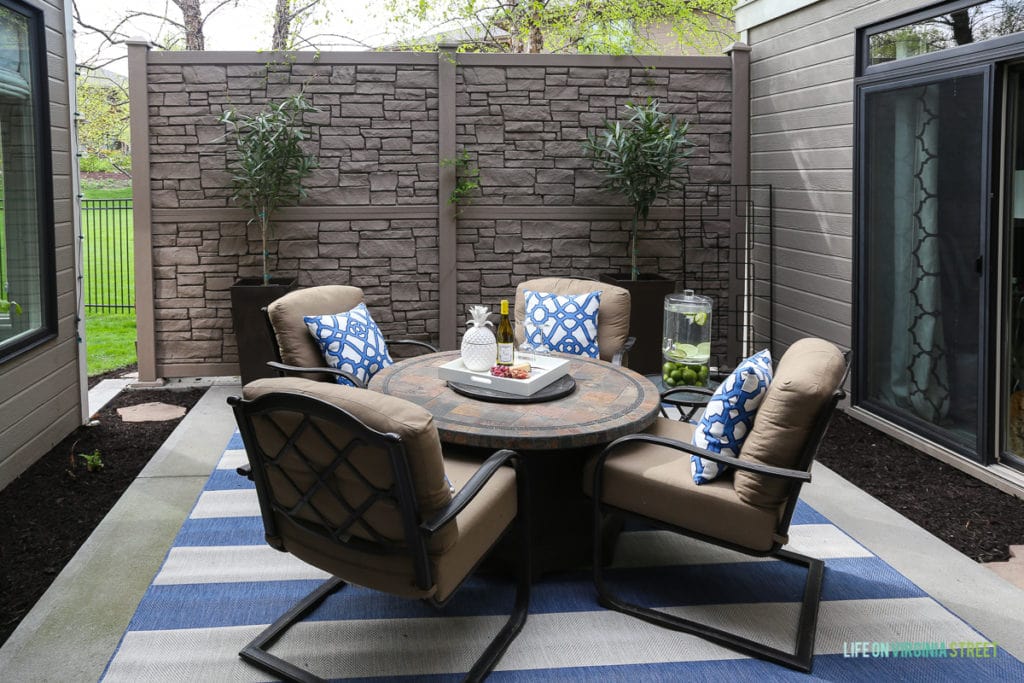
x: 321, y: 441
x: 296, y: 345
x: 729, y: 414
x: 566, y: 323
x: 808, y: 375
x: 612, y: 320
x: 350, y: 341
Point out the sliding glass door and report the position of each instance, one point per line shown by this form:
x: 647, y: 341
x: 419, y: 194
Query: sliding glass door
x: 924, y: 153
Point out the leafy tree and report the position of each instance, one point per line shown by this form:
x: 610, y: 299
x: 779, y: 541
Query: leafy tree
x: 638, y: 160
x: 593, y: 26
x: 103, y: 124
x: 270, y: 163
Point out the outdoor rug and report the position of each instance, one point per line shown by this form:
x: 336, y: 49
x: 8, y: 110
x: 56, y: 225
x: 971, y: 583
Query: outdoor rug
x: 221, y: 584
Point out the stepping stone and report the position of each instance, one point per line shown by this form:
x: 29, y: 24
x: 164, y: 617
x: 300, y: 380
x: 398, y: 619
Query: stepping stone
x: 150, y: 412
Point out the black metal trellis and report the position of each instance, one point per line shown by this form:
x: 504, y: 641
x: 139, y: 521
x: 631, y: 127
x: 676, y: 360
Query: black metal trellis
x: 727, y: 255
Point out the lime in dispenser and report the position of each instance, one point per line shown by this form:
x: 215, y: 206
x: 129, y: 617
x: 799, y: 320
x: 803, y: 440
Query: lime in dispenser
x: 686, y: 345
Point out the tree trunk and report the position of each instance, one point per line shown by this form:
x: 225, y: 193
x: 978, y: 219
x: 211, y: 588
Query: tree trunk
x: 282, y: 24
x: 193, y: 20
x: 963, y: 33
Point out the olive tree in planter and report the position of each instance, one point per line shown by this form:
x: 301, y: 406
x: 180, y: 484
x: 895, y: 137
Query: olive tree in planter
x: 266, y: 173
x: 639, y: 159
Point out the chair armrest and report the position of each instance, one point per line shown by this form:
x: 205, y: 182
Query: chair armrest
x: 294, y: 369
x: 469, y: 491
x: 746, y: 465
x: 620, y: 355
x: 414, y: 342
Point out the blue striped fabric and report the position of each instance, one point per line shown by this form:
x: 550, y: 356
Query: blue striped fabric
x: 220, y: 584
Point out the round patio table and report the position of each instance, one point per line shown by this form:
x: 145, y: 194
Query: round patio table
x: 609, y: 401
x: 555, y: 437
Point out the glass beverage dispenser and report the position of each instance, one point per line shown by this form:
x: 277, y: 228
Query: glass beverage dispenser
x: 686, y: 345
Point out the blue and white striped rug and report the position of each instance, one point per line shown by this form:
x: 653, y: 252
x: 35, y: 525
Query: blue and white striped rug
x: 221, y: 584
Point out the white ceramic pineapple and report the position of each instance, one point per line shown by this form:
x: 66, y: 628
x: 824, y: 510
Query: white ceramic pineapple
x: 479, y: 347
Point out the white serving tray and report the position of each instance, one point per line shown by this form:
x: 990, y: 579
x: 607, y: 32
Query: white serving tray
x: 544, y: 371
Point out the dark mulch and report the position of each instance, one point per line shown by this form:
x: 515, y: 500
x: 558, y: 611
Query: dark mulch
x: 51, y: 509
x: 977, y: 519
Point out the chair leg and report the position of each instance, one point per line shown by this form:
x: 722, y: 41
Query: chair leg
x: 802, y: 659
x: 256, y: 651
x: 497, y: 647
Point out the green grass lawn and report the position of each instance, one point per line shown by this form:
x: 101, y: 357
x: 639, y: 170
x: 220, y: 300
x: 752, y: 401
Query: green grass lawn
x: 110, y: 341
x: 108, y: 257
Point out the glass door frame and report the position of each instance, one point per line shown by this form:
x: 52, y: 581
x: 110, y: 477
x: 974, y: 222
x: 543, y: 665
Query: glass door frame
x: 1013, y: 97
x: 918, y: 72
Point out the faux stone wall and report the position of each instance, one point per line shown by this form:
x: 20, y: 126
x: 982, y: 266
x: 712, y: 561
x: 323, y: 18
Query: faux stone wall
x: 373, y: 214
x: 524, y: 128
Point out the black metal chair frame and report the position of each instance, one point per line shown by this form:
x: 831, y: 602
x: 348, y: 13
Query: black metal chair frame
x: 284, y: 369
x: 802, y: 658
x: 417, y: 531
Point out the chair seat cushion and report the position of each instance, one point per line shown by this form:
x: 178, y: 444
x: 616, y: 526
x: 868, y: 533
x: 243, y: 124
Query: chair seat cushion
x: 480, y: 525
x: 808, y: 375
x: 350, y: 341
x: 729, y: 414
x: 653, y: 481
x: 564, y: 323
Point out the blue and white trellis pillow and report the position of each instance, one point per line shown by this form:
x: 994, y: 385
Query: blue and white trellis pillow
x: 729, y: 414
x: 350, y: 341
x: 566, y: 323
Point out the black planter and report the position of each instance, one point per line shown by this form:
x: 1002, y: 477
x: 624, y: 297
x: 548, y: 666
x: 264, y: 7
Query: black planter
x: 646, y: 317
x: 255, y: 346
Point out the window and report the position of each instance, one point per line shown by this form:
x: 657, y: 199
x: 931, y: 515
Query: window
x: 954, y: 25
x: 27, y: 271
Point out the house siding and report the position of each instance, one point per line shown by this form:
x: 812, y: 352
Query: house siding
x: 801, y: 142
x: 40, y: 392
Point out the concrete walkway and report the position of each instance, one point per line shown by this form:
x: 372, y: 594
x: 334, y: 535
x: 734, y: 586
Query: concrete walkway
x: 73, y: 630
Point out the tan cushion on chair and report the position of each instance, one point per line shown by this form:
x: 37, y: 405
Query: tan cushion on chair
x: 296, y: 343
x: 612, y: 317
x: 808, y: 375
x: 481, y: 523
x: 655, y: 481
x: 414, y: 424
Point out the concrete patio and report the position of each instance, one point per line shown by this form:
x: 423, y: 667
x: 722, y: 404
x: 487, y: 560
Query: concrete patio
x: 73, y: 630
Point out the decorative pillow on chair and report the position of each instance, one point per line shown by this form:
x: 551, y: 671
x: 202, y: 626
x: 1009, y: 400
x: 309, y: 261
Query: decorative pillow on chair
x: 729, y: 414
x: 564, y: 323
x: 350, y: 341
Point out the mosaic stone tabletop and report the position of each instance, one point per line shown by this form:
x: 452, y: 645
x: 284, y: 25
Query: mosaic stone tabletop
x: 609, y: 402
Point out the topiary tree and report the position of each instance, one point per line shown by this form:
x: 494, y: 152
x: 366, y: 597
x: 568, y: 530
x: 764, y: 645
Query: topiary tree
x: 638, y: 160
x: 271, y: 164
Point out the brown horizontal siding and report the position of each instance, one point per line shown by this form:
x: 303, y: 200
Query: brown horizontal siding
x: 40, y: 397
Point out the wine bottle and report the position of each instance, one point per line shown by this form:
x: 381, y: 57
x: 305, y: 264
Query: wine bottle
x: 506, y: 339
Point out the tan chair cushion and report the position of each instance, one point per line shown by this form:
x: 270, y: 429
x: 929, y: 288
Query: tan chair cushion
x: 654, y: 481
x: 381, y: 412
x: 293, y: 338
x: 808, y: 375
x: 480, y: 525
x: 612, y: 317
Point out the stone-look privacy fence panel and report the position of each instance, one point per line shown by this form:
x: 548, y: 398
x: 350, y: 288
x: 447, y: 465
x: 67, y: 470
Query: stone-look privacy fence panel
x: 377, y: 215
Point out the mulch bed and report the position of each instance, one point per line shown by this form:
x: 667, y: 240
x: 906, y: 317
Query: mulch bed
x: 977, y: 519
x: 51, y: 509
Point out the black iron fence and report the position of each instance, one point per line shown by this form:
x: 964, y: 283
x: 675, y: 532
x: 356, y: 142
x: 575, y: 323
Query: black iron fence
x: 108, y: 255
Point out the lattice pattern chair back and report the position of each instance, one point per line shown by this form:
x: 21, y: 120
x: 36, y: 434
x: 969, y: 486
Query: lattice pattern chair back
x: 323, y: 475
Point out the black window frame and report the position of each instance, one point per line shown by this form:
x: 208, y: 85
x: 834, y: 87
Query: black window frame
x: 993, y: 49
x: 48, y: 327
x: 993, y: 55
